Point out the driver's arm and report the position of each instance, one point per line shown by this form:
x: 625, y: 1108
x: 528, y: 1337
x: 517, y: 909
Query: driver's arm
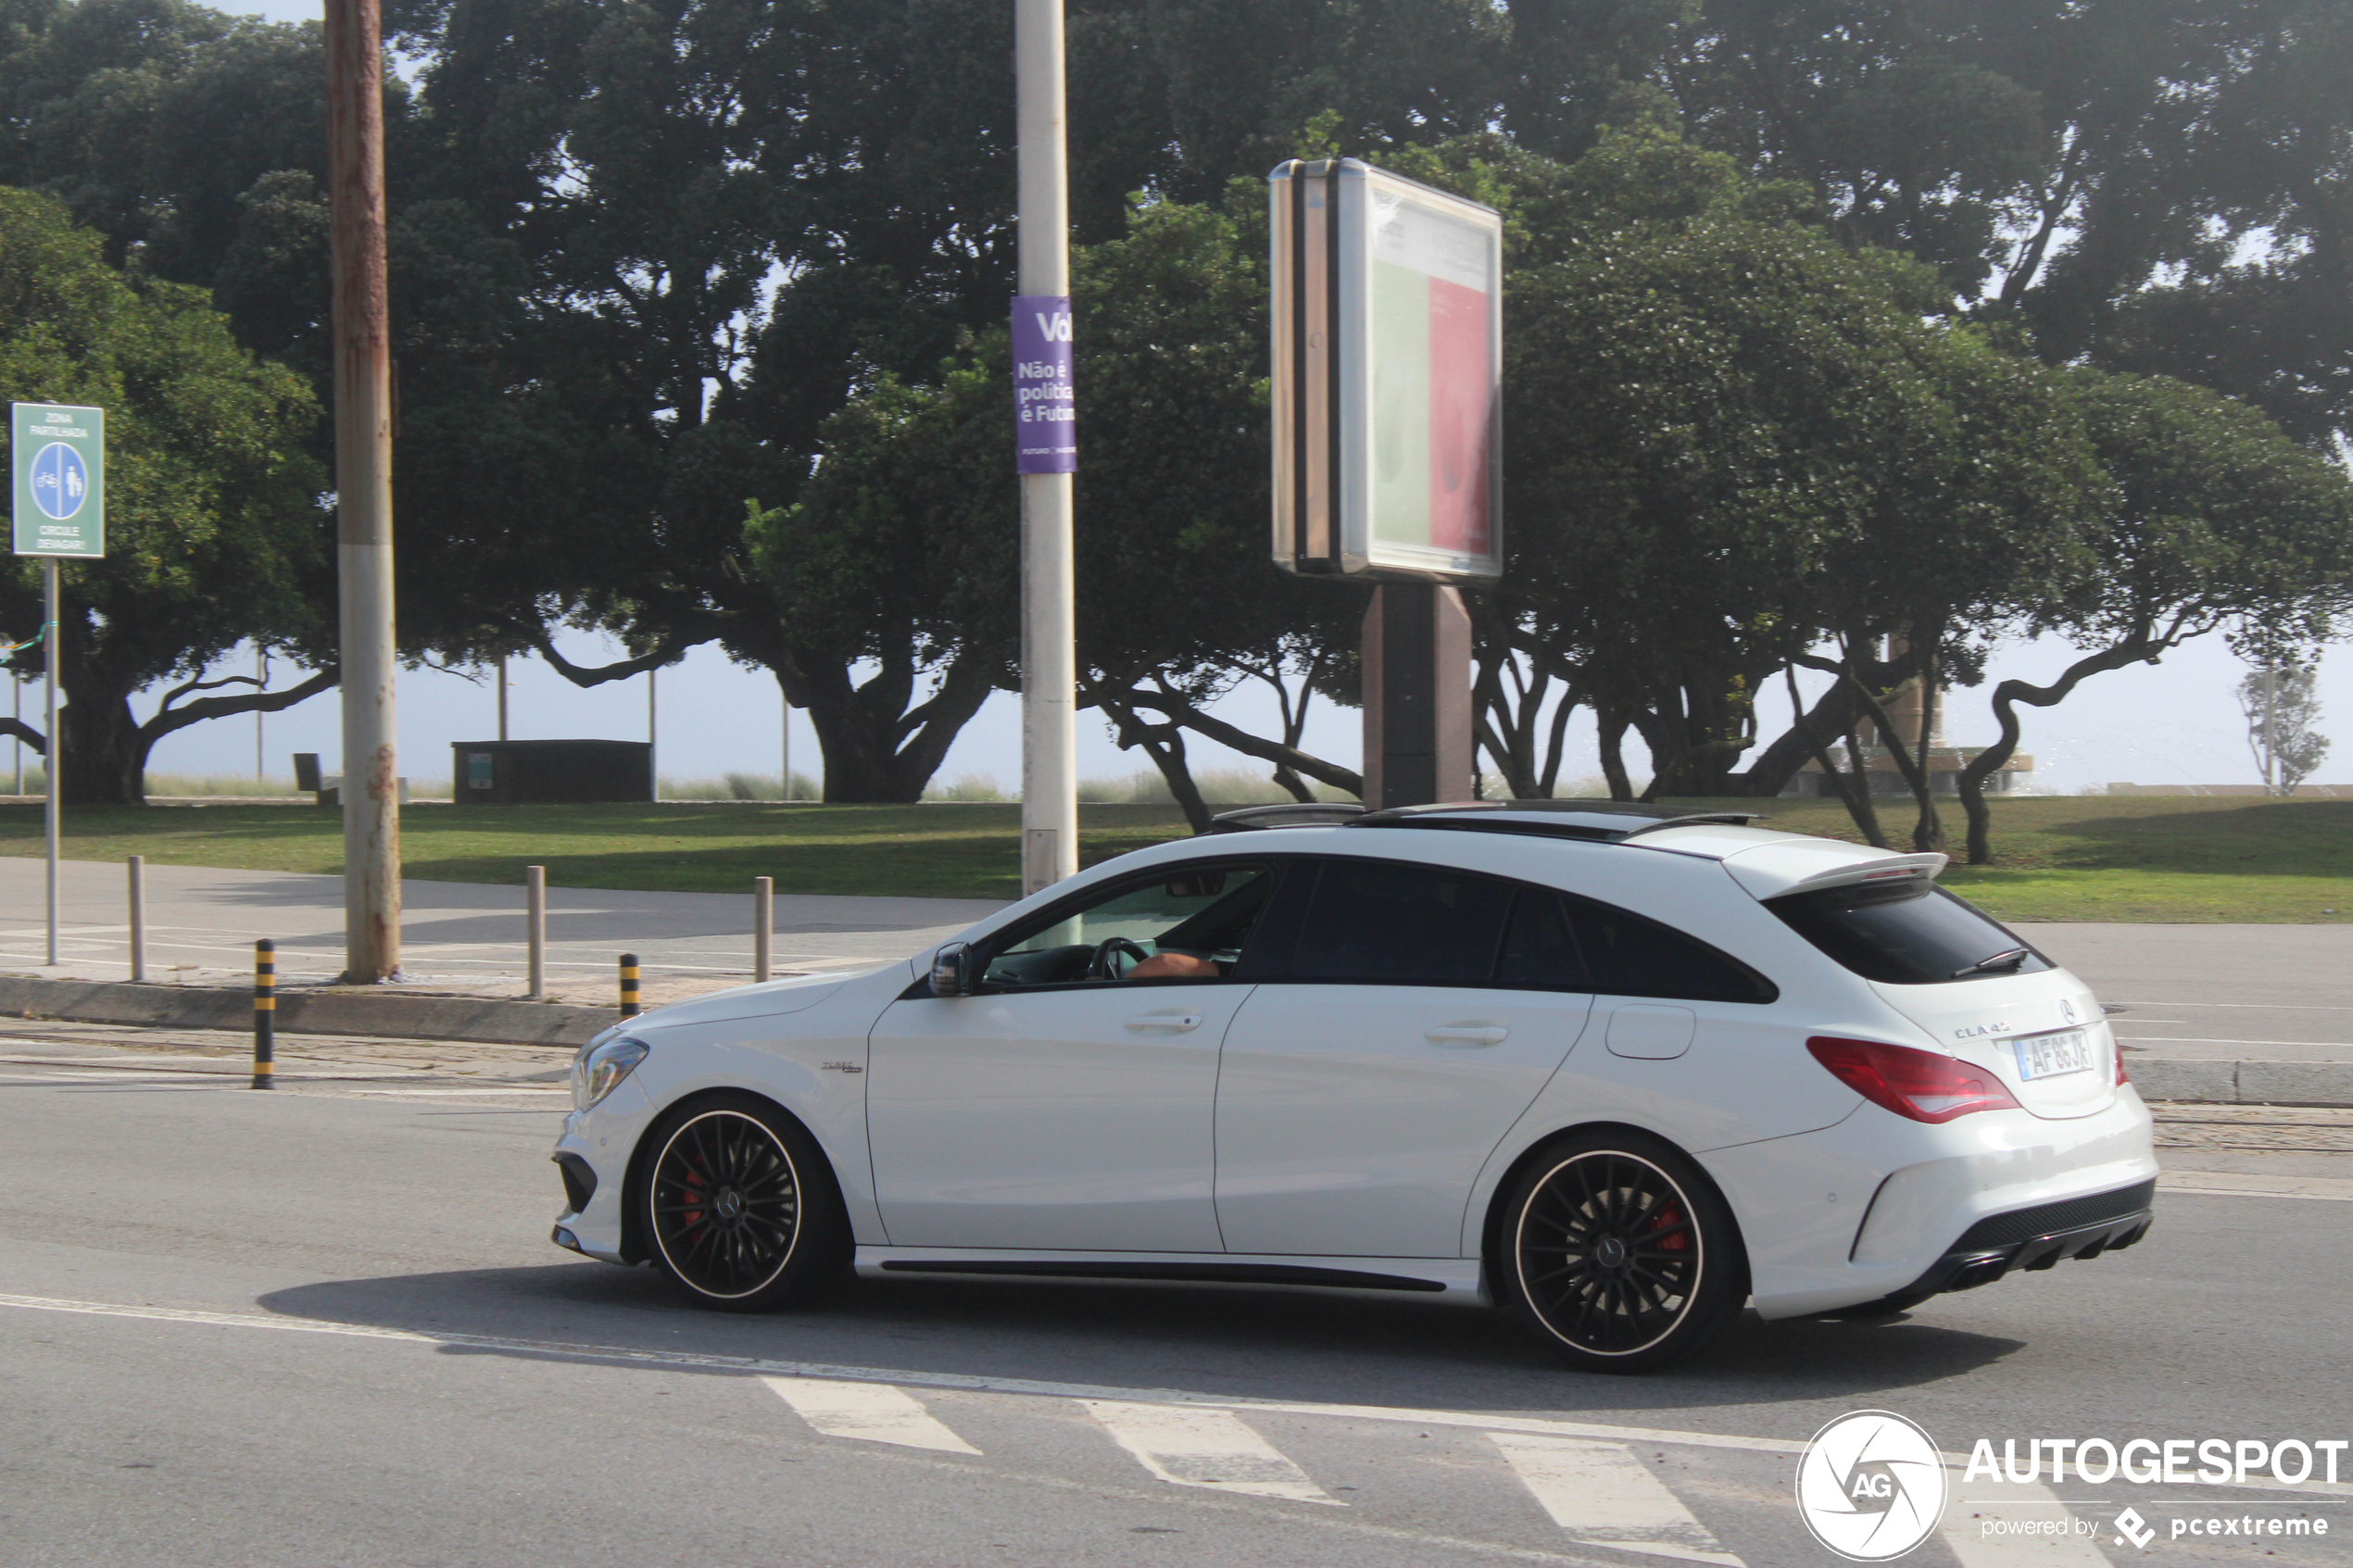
x: 1174, y: 966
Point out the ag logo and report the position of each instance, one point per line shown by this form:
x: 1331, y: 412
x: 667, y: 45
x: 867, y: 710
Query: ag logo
x: 1870, y: 1486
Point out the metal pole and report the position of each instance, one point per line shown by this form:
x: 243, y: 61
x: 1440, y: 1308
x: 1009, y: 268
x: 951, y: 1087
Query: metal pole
x: 763, y: 925
x: 653, y: 756
x: 534, y: 881
x: 1049, y: 622
x: 138, y: 917
x: 371, y: 795
x: 502, y: 697
x: 15, y: 711
x: 53, y: 744
x: 784, y: 749
x: 2271, y: 735
x: 629, y: 1008
x: 265, y: 1012
x: 260, y: 685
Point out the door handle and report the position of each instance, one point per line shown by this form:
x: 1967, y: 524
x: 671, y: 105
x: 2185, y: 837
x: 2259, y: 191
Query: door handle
x: 1467, y: 1035
x: 1174, y: 1023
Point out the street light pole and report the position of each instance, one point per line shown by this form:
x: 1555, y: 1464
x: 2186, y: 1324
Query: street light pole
x: 371, y: 792
x: 1049, y: 621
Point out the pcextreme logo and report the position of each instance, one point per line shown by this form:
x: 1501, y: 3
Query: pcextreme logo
x: 1871, y: 1486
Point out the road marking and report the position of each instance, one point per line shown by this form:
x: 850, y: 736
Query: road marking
x: 1197, y: 1447
x: 626, y: 1355
x: 869, y: 1412
x: 2218, y: 1040
x: 2232, y: 1184
x: 1604, y: 1496
x: 1966, y: 1522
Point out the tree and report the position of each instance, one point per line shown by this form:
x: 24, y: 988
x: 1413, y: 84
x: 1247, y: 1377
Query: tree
x: 215, y: 531
x: 2212, y: 520
x: 2282, y: 704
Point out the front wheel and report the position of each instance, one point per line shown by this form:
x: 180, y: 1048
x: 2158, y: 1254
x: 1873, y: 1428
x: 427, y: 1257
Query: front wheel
x: 740, y: 1206
x: 1619, y: 1252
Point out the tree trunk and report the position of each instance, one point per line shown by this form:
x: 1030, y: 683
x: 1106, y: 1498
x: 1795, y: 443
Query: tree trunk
x: 1164, y: 744
x: 877, y: 749
x: 1613, y: 738
x: 2144, y: 646
x: 1855, y: 793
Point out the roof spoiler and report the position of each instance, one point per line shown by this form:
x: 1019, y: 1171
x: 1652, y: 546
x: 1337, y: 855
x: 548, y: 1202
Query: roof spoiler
x: 1286, y: 814
x: 1886, y: 867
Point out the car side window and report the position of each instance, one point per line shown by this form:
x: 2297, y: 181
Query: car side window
x: 1539, y: 946
x: 1187, y: 922
x: 1403, y: 924
x: 1627, y: 955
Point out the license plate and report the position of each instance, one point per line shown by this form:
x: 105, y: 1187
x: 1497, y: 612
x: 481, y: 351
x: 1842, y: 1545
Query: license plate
x: 2053, y: 1056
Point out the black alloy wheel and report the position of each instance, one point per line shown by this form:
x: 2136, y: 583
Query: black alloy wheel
x: 1621, y: 1253
x: 739, y: 1206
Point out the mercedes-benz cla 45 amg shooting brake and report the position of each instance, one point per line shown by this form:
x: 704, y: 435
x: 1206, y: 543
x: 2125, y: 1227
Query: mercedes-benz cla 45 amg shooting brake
x: 1620, y: 1073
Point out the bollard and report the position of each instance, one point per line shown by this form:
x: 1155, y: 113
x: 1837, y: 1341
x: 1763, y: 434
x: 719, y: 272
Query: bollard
x: 629, y: 1008
x: 265, y: 1011
x: 138, y: 917
x: 534, y: 881
x: 763, y: 925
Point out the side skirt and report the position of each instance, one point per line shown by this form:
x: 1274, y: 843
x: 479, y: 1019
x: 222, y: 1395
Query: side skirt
x: 1446, y: 1279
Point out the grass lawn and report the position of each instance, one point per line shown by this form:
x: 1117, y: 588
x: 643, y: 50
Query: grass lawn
x: 2120, y: 858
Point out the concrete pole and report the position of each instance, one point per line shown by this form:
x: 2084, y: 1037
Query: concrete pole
x: 535, y: 883
x: 138, y: 873
x: 653, y: 750
x: 502, y: 697
x: 52, y: 754
x: 363, y: 492
x: 763, y: 926
x: 1048, y: 621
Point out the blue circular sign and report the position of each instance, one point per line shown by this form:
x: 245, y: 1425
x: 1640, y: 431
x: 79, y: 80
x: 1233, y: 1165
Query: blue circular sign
x: 61, y: 483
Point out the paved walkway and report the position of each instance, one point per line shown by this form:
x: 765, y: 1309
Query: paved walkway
x: 2272, y: 993
x: 454, y: 935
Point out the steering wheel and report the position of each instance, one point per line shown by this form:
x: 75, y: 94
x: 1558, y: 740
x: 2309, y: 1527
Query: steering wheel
x: 1100, y: 967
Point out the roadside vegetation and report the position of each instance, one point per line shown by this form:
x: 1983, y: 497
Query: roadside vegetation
x: 2068, y: 858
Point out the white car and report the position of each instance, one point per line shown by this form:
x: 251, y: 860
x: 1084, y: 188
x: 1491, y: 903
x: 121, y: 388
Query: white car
x: 1620, y: 1071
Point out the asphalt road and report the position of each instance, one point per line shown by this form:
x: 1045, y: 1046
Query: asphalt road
x: 325, y: 1324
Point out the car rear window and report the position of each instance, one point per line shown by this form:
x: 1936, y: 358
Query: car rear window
x: 1628, y: 956
x: 1912, y: 933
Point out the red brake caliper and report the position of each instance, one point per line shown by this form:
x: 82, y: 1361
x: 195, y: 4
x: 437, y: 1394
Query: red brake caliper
x: 1668, y: 1219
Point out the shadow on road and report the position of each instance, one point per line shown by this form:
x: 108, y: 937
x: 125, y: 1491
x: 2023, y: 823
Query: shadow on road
x: 1218, y: 1341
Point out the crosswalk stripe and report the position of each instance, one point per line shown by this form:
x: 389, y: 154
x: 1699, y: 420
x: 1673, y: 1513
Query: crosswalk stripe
x: 871, y: 1413
x: 1963, y: 1530
x: 1191, y: 1446
x: 1604, y: 1496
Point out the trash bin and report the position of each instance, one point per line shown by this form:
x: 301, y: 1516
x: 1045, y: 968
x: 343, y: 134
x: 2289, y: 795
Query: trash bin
x: 535, y: 772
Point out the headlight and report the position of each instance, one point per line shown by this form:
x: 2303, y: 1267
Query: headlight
x: 599, y: 1069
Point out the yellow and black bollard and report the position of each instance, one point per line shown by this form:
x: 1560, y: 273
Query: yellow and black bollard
x: 629, y: 1008
x: 265, y: 1011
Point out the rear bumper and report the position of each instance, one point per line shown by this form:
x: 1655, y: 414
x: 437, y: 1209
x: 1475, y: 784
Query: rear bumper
x: 2040, y: 1237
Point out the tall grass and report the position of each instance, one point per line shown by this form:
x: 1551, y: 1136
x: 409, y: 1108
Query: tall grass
x: 740, y: 787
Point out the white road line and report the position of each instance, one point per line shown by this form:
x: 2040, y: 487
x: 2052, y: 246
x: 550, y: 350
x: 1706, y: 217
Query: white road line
x: 2264, y: 1007
x: 868, y: 1413
x: 1214, y: 1449
x: 1604, y: 1496
x: 1974, y: 1529
x: 1157, y: 1397
x: 2218, y: 1040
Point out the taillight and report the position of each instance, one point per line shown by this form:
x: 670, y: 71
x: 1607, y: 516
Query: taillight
x: 1924, y: 1086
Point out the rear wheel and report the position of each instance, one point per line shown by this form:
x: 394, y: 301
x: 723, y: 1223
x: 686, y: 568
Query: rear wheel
x: 739, y: 1206
x: 1619, y: 1252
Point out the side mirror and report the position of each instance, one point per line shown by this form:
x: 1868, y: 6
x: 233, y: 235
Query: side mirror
x: 952, y: 970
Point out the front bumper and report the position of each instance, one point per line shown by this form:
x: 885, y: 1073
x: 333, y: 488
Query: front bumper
x: 593, y: 1159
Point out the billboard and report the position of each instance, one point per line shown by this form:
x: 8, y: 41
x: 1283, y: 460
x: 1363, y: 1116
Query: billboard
x: 1388, y: 375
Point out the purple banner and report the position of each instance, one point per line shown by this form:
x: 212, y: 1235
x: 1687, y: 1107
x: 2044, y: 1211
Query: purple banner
x: 1045, y: 428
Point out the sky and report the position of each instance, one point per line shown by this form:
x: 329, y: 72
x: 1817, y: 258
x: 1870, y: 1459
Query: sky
x: 2172, y: 723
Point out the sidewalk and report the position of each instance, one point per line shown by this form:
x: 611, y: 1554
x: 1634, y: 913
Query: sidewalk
x: 457, y: 938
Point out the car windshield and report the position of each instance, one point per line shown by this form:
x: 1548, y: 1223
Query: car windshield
x: 1911, y: 932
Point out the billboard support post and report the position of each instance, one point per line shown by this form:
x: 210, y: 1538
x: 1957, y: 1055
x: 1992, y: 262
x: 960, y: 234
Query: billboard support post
x: 1388, y: 374
x: 371, y: 793
x: 53, y: 745
x: 1045, y: 455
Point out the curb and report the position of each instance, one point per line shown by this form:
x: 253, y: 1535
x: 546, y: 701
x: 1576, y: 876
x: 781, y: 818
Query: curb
x: 476, y: 1020
x: 2243, y: 1083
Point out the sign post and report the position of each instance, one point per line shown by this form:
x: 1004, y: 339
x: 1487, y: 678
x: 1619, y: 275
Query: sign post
x: 1388, y: 358
x: 57, y: 460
